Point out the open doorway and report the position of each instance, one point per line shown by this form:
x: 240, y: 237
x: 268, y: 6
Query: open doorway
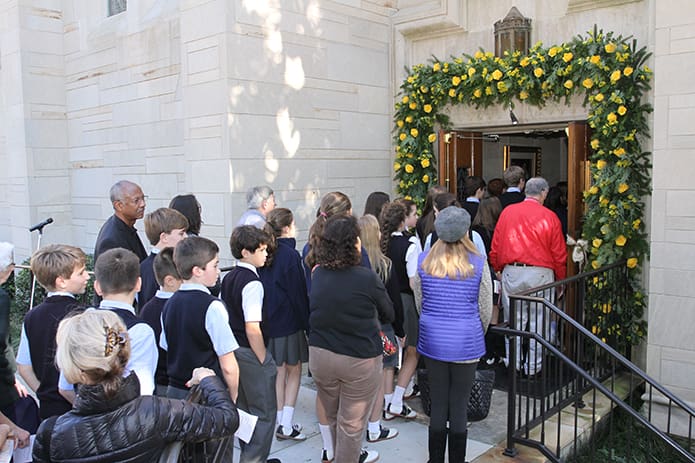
x: 557, y: 152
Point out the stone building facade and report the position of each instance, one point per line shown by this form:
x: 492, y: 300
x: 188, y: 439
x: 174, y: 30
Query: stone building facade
x: 214, y: 96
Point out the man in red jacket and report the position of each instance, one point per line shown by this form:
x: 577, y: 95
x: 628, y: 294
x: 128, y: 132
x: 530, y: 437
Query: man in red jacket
x: 529, y: 249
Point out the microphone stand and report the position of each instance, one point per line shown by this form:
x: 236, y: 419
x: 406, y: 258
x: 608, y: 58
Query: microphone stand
x: 33, y: 277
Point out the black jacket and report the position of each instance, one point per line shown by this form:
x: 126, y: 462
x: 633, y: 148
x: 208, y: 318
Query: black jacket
x: 133, y: 428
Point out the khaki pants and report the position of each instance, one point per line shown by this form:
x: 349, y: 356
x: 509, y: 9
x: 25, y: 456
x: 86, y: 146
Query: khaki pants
x: 347, y: 388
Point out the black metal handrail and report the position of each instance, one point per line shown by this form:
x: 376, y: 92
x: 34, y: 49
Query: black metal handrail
x: 582, y: 362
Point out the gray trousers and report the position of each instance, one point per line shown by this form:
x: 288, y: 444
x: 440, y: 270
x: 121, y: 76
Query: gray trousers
x: 529, y: 316
x: 257, y: 396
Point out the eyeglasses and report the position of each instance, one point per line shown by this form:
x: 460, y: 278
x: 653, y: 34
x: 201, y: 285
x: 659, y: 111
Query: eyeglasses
x: 137, y: 200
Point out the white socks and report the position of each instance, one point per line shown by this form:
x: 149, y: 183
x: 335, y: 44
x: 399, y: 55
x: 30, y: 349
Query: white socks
x: 375, y: 427
x: 287, y: 417
x: 327, y: 438
x: 397, y: 399
x: 387, y: 400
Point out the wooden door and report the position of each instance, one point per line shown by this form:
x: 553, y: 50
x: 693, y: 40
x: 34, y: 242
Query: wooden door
x: 460, y: 155
x: 578, y: 180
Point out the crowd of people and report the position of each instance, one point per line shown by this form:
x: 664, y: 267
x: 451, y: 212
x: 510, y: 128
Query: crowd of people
x: 362, y: 292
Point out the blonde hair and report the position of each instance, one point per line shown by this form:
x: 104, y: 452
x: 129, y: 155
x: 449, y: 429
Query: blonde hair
x: 93, y: 346
x: 56, y: 260
x: 369, y: 234
x: 450, y: 259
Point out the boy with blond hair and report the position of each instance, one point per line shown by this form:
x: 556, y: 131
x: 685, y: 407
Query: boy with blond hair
x: 164, y: 228
x: 60, y: 269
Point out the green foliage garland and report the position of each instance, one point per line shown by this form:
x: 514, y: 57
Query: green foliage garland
x: 609, y: 69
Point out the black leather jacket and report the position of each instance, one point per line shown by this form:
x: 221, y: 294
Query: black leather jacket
x: 133, y: 428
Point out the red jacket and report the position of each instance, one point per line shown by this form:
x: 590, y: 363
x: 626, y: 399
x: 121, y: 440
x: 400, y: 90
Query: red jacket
x: 529, y: 233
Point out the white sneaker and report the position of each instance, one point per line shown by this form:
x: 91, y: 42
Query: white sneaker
x: 368, y: 456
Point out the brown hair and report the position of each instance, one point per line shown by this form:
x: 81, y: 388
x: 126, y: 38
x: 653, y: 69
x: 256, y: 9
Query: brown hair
x: 336, y: 249
x: 193, y: 251
x: 333, y: 203
x: 56, y: 260
x: 163, y: 220
x: 488, y: 213
x: 247, y: 237
x: 275, y: 222
x: 392, y: 217
x: 117, y: 271
x: 164, y: 265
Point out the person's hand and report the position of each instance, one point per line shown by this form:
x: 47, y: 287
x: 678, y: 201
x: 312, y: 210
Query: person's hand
x: 21, y: 390
x: 198, y: 375
x: 21, y: 437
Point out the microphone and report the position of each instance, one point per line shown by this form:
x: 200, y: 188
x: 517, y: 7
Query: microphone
x: 40, y: 225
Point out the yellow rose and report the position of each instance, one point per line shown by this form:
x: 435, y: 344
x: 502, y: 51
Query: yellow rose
x: 620, y: 241
x: 597, y: 242
x: 405, y: 99
x: 425, y: 163
x: 636, y: 223
x: 452, y: 92
x: 402, y: 136
x: 502, y: 87
x: 611, y: 118
x: 477, y: 93
x: 455, y: 81
x: 425, y: 178
x: 606, y: 308
x: 523, y: 95
x: 567, y: 57
x: 601, y: 164
x: 623, y: 187
x: 424, y: 89
x: 413, y: 132
x: 436, y: 67
x: 478, y: 54
x: 593, y: 190
x: 471, y: 71
x: 553, y: 51
x: 595, y: 265
x: 538, y: 72
x: 568, y: 84
x: 594, y: 328
x: 399, y: 123
x: 603, y: 201
x: 632, y: 262
x: 409, y: 168
x: 409, y: 198
x: 409, y: 119
x: 396, y: 166
x: 622, y: 110
x: 497, y: 74
x: 588, y: 83
x: 411, y: 79
x: 524, y: 62
x: 599, y: 97
x: 412, y: 105
x: 427, y: 108
x: 615, y: 75
x: 627, y: 71
x: 432, y: 138
x: 610, y: 48
x: 619, y: 151
x: 595, y: 59
x: 594, y: 144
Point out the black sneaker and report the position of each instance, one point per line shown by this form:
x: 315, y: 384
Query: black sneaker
x: 406, y: 413
x: 368, y: 456
x: 296, y: 434
x: 383, y: 434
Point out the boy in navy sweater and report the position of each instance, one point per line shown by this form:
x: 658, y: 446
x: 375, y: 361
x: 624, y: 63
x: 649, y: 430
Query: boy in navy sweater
x: 164, y: 228
x: 242, y: 291
x: 169, y: 282
x: 60, y: 269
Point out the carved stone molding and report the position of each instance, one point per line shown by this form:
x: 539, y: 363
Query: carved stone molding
x: 417, y: 18
x: 575, y: 6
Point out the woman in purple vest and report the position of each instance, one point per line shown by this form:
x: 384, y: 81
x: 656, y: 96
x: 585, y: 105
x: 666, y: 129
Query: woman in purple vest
x: 454, y: 291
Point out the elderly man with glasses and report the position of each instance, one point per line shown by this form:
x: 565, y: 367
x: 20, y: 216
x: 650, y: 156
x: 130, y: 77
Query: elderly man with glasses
x: 119, y: 230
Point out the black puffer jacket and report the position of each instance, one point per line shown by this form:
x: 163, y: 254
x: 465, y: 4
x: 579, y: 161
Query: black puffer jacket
x: 131, y: 428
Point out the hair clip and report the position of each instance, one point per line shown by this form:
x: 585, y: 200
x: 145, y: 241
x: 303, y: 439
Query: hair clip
x: 323, y: 214
x: 113, y: 339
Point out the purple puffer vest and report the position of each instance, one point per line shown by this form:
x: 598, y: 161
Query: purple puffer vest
x: 450, y: 326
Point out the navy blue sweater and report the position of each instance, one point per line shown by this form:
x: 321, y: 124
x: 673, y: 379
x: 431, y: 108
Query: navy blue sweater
x: 286, y: 301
